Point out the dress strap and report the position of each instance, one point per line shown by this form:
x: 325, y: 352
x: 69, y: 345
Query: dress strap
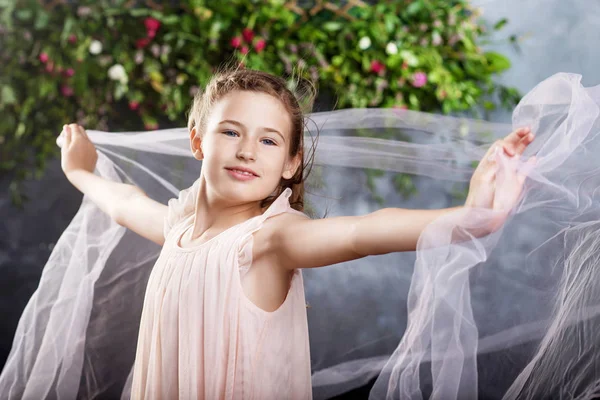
x: 280, y: 205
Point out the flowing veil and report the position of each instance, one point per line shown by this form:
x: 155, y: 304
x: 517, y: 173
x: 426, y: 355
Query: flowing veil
x: 513, y: 314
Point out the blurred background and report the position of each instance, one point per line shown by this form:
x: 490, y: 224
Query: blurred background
x: 134, y: 65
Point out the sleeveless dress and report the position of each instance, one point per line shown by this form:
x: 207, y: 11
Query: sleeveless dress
x: 200, y: 336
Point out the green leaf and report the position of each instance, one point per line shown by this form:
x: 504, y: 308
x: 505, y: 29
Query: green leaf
x: 24, y: 14
x: 8, y: 95
x: 42, y: 19
x: 332, y: 26
x: 67, y: 29
x: 414, y: 7
x: 500, y: 24
x: 497, y: 62
x: 20, y: 130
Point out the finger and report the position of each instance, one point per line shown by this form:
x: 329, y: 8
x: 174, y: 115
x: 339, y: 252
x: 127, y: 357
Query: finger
x: 68, y: 137
x: 82, y: 132
x: 511, y: 141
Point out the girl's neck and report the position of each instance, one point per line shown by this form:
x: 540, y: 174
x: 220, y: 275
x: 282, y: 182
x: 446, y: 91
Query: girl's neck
x: 212, y: 216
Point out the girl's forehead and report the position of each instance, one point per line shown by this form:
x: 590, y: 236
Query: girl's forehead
x: 251, y: 109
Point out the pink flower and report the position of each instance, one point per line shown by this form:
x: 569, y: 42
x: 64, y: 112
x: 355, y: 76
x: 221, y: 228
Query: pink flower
x: 50, y: 67
x: 248, y: 34
x: 377, y: 67
x: 141, y: 43
x: 134, y: 105
x: 260, y: 45
x: 152, y: 26
x: 236, y: 42
x: 44, y: 57
x: 72, y: 39
x: 66, y: 91
x: 69, y: 72
x: 244, y: 50
x: 419, y: 79
x: 151, y: 126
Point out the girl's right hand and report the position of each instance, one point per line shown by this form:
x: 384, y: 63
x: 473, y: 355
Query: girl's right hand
x: 77, y: 152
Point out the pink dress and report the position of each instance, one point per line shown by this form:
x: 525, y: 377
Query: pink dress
x: 201, y: 337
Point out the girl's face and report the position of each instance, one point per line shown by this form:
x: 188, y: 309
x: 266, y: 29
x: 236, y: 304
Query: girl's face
x: 246, y: 130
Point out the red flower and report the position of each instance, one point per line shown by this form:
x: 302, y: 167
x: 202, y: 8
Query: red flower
x: 69, y: 72
x: 244, y: 50
x: 134, y: 105
x: 66, y: 91
x: 141, y: 43
x: 44, y: 57
x: 236, y: 42
x: 377, y: 67
x: 72, y: 39
x: 248, y: 34
x: 151, y: 24
x: 260, y: 45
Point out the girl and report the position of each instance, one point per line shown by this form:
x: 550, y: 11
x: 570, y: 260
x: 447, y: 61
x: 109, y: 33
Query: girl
x: 224, y: 312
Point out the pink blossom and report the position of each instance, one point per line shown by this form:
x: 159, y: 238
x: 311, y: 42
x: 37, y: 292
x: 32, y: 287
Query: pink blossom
x: 141, y: 43
x: 134, y: 105
x: 151, y: 126
x: 69, y: 72
x: 377, y: 67
x: 152, y: 25
x: 244, y: 50
x: 419, y: 79
x: 66, y: 91
x: 248, y: 34
x: 260, y: 45
x: 236, y: 42
x: 50, y: 66
x: 72, y: 39
x: 44, y: 57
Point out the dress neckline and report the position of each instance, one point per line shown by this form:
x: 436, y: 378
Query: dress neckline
x: 187, y: 226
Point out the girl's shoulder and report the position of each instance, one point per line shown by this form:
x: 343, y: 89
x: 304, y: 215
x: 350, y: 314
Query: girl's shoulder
x: 265, y: 239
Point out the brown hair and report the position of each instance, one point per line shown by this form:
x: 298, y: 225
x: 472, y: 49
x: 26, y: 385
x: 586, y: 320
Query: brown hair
x: 226, y: 82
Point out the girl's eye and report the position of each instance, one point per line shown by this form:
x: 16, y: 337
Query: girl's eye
x: 228, y: 133
x: 269, y: 142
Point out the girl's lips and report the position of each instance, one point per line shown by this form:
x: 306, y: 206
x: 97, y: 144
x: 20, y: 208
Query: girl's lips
x: 242, y: 176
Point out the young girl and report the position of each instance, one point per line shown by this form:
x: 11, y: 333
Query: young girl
x: 224, y: 312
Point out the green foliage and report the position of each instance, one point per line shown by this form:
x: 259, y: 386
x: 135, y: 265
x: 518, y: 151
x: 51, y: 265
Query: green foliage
x: 109, y: 67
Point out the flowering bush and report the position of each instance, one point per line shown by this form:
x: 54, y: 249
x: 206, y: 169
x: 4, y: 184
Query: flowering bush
x: 111, y: 67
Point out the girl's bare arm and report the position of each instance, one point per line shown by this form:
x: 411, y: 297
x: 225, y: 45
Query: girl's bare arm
x: 305, y: 243
x: 126, y: 204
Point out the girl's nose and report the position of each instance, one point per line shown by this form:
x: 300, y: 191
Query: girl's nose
x: 246, y: 152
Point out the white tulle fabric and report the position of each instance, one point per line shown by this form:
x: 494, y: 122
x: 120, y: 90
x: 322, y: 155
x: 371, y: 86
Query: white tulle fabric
x: 510, y: 315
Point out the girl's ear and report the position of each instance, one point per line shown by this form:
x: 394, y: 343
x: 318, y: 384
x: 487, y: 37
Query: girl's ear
x: 292, y: 166
x: 196, y: 144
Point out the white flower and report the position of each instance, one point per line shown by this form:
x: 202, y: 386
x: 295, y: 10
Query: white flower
x: 391, y: 48
x: 95, y: 47
x: 118, y: 73
x: 364, y: 43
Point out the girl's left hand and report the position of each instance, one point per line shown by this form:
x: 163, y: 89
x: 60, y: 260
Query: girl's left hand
x: 482, y: 190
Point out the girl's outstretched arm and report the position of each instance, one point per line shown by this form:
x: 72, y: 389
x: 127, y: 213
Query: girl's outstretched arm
x: 305, y: 243
x: 126, y: 204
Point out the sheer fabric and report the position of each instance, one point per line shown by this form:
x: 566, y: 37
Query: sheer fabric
x: 510, y: 315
